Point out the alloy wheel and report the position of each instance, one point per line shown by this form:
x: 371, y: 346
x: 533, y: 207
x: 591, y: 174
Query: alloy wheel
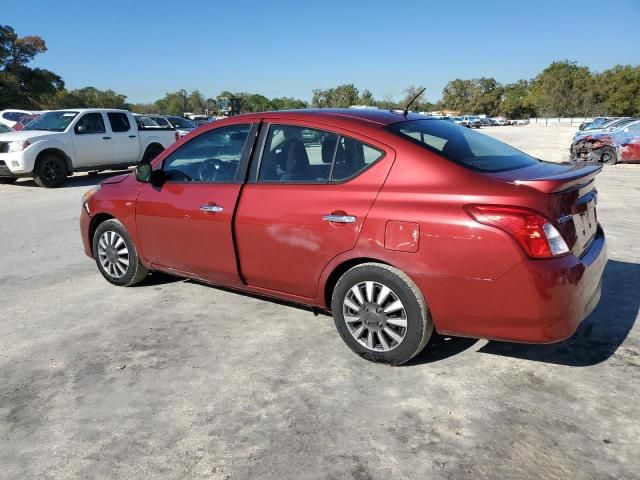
x: 375, y: 316
x: 113, y: 254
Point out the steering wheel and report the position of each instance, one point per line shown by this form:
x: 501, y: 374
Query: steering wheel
x: 212, y: 170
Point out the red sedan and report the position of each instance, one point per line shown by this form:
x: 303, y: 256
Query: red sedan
x: 398, y: 224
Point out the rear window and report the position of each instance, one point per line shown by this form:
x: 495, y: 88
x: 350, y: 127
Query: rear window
x: 463, y: 146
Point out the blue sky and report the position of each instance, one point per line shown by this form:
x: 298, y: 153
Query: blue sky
x: 287, y: 48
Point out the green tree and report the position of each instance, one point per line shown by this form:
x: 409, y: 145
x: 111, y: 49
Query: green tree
x: 88, y: 97
x: 516, y: 101
x: 563, y: 88
x: 619, y: 91
x: 20, y: 85
x: 342, y: 96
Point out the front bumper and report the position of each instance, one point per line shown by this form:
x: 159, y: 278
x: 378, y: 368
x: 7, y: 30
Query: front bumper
x: 17, y: 164
x: 85, y: 225
x: 537, y: 301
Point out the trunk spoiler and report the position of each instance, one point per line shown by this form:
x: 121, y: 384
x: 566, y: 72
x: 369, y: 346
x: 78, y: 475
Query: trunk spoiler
x: 549, y: 177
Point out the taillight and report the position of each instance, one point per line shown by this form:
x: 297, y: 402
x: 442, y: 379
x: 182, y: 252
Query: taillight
x: 533, y: 232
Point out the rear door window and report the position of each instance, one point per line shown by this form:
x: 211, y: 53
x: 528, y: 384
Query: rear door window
x: 295, y: 154
x: 119, y: 122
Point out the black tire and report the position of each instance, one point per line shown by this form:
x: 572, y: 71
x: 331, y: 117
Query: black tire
x: 415, y: 314
x: 7, y: 180
x: 608, y: 156
x: 152, y: 152
x: 110, y: 264
x: 50, y: 171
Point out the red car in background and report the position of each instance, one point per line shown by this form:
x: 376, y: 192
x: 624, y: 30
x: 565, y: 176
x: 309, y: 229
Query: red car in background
x: 22, y: 122
x: 395, y: 223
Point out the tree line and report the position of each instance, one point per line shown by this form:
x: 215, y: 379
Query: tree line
x: 564, y: 88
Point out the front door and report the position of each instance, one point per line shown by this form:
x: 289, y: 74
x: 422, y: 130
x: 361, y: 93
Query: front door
x: 306, y: 205
x: 91, y: 142
x: 185, y: 225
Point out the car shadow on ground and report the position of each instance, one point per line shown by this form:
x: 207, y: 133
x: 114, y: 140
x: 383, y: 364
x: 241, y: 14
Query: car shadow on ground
x: 80, y: 180
x: 600, y: 335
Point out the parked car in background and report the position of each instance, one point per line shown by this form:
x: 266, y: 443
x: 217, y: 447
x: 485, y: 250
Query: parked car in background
x: 203, y: 121
x: 486, y: 122
x: 396, y: 224
x: 10, y: 117
x: 24, y: 120
x: 605, y: 127
x: 61, y: 142
x: 182, y: 125
x: 595, y: 123
x: 5, y: 129
x: 500, y: 121
x: 460, y: 121
x: 472, y: 121
x: 610, y: 146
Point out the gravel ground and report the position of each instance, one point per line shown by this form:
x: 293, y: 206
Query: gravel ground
x: 174, y: 379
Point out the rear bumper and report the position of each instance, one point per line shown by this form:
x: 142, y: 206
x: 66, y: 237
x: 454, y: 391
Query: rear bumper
x: 537, y: 301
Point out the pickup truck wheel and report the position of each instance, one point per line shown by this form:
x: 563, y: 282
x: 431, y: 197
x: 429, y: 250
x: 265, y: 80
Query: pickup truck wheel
x: 8, y: 180
x: 151, y: 153
x: 116, y: 255
x: 381, y: 314
x: 50, y: 171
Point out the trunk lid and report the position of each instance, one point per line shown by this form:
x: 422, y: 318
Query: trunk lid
x: 571, y: 197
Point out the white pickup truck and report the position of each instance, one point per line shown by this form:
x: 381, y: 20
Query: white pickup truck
x: 60, y: 142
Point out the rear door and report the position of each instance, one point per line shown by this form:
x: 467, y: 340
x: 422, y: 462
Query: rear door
x: 91, y: 141
x: 186, y: 225
x: 305, y: 203
x: 126, y: 145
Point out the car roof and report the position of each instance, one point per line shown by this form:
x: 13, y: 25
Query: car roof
x: 369, y: 116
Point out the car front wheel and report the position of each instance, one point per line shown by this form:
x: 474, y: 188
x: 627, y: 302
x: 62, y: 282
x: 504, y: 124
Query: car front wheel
x: 381, y: 314
x: 116, y: 255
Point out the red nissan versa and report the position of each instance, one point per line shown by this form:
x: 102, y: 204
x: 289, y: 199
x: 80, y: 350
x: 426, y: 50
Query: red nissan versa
x: 398, y: 224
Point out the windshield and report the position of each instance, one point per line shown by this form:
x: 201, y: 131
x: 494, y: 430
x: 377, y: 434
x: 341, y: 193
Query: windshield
x: 462, y: 145
x: 179, y: 122
x: 52, y: 121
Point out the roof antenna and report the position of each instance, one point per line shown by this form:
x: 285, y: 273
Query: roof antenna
x: 406, y: 109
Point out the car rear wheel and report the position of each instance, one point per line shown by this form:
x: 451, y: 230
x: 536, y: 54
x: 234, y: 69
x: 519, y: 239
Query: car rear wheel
x: 50, y: 171
x: 116, y: 255
x: 381, y: 314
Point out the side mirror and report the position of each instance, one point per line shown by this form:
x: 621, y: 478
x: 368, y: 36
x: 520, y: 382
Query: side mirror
x: 143, y: 172
x: 146, y: 174
x: 81, y: 128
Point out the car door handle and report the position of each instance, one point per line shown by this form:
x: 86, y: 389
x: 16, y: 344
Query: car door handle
x: 339, y: 218
x: 211, y: 208
x: 132, y: 136
x: 106, y: 138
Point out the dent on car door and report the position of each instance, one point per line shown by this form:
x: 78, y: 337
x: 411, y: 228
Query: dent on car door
x: 307, y: 204
x: 185, y: 225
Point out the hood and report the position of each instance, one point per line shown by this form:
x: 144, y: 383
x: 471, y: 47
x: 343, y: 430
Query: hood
x: 115, y: 179
x: 26, y: 135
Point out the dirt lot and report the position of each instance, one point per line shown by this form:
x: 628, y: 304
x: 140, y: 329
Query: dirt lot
x: 174, y: 379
